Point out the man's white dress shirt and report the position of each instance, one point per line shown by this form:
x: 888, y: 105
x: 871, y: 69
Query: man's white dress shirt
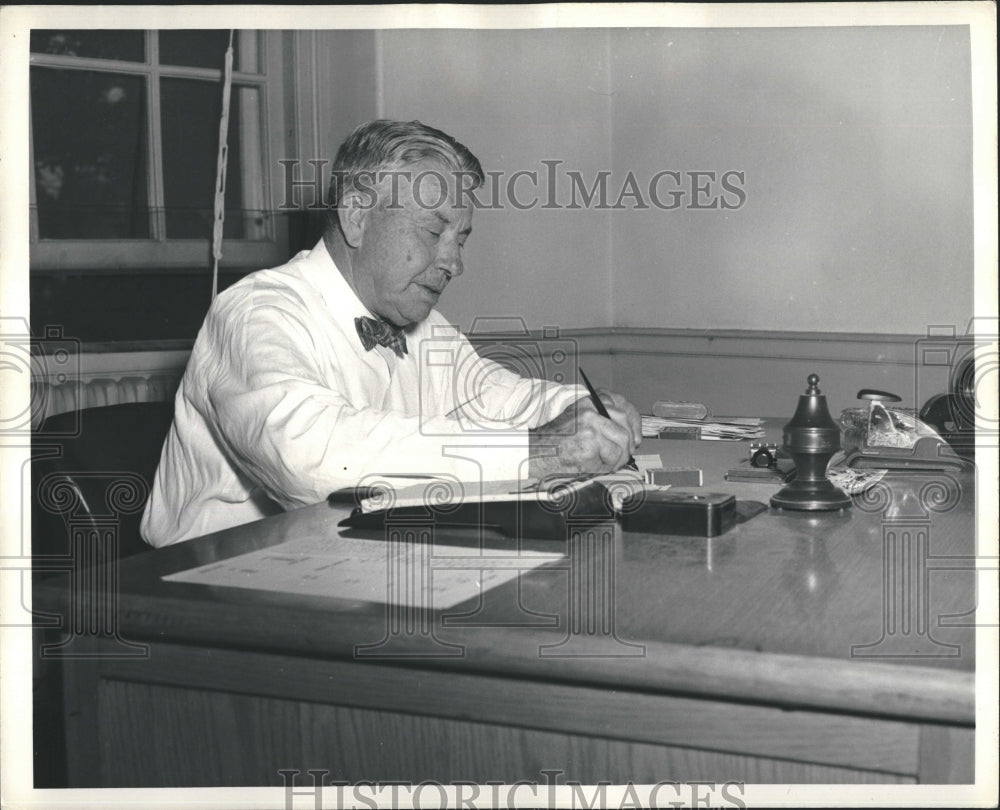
x: 280, y: 405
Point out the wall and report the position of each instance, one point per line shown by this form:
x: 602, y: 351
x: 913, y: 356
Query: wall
x: 856, y: 144
x: 335, y: 89
x: 516, y: 98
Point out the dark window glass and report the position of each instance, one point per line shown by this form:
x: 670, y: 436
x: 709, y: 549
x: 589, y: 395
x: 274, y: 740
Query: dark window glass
x: 189, y: 115
x: 129, y: 46
x: 89, y: 140
x: 205, y: 49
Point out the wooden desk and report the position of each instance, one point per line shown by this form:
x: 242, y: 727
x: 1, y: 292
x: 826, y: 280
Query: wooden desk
x: 786, y: 650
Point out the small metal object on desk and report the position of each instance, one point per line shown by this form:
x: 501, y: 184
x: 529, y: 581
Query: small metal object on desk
x: 763, y: 455
x: 670, y: 409
x: 811, y: 438
x: 763, y: 464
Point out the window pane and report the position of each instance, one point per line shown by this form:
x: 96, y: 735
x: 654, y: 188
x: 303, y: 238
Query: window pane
x: 206, y: 49
x: 89, y: 139
x: 127, y: 45
x: 190, y: 111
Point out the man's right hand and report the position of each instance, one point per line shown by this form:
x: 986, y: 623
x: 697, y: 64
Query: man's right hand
x: 579, y: 440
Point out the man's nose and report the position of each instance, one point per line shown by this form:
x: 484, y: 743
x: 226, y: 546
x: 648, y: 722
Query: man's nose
x: 450, y: 258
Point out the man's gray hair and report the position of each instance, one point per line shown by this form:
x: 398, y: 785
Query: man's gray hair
x: 384, y: 146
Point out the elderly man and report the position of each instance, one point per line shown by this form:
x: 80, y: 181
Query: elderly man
x: 307, y: 377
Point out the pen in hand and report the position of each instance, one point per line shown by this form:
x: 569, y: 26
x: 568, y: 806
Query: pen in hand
x: 604, y: 412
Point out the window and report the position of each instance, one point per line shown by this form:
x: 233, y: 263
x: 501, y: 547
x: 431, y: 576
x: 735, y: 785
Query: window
x: 124, y: 142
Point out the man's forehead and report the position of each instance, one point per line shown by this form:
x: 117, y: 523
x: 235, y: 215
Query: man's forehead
x: 437, y: 192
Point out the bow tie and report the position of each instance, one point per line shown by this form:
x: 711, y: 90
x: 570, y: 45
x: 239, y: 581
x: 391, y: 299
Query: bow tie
x: 379, y: 333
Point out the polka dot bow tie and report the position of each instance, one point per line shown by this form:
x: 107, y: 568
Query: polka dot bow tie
x: 379, y: 333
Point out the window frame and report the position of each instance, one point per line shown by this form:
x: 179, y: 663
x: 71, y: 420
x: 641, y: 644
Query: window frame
x: 158, y: 251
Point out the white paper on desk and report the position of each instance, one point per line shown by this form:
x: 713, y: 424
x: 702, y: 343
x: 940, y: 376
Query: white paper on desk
x: 442, y: 492
x: 650, y: 461
x: 414, y: 574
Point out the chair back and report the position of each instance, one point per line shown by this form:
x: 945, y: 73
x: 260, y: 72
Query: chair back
x: 92, y: 470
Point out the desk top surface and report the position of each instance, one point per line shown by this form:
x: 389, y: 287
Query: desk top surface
x: 793, y: 608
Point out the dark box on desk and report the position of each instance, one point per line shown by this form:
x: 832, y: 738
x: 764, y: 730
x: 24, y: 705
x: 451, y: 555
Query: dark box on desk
x: 670, y: 511
x: 674, y: 476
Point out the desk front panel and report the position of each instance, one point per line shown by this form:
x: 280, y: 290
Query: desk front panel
x: 209, y: 717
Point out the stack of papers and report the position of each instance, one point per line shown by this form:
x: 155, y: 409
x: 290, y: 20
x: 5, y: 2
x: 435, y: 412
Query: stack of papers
x: 442, y: 492
x: 719, y: 428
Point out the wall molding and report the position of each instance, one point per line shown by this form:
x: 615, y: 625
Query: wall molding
x: 837, y: 347
x: 111, y: 359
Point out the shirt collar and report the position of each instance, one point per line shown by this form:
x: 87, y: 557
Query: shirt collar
x: 339, y: 296
x: 324, y: 274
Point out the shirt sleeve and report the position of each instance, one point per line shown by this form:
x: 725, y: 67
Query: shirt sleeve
x: 487, y: 393
x: 299, y: 438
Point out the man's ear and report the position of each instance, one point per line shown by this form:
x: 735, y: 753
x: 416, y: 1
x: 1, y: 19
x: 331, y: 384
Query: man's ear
x: 353, y: 216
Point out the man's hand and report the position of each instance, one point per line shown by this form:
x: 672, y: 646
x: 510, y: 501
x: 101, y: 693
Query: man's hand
x: 624, y: 413
x: 580, y: 440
